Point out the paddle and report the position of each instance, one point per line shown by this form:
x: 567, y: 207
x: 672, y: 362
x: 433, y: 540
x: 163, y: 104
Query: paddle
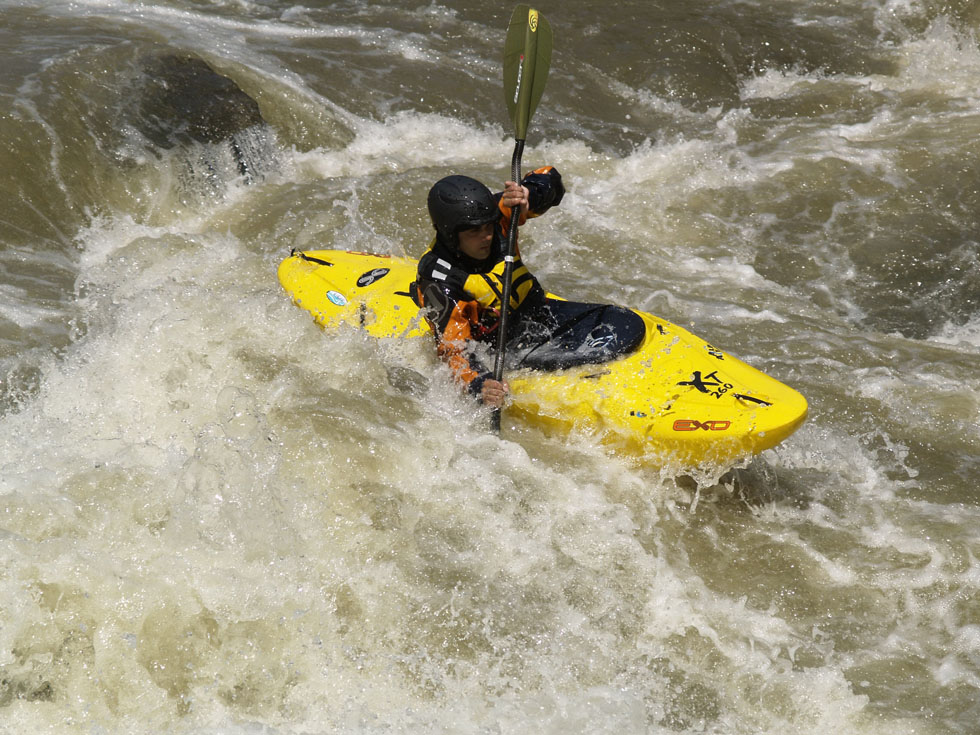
x: 527, y: 56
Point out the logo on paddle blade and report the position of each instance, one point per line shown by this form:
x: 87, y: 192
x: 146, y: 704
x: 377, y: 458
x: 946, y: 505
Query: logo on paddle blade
x: 532, y: 20
x: 520, y: 76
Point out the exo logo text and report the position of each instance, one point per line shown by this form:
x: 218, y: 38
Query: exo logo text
x: 693, y: 425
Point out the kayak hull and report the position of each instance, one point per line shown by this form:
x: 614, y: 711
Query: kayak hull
x: 676, y: 399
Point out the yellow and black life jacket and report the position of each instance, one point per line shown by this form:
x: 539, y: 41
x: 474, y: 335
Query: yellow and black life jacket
x: 487, y: 289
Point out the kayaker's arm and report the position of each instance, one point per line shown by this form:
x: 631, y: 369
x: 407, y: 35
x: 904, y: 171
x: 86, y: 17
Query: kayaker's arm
x: 452, y: 321
x: 544, y: 190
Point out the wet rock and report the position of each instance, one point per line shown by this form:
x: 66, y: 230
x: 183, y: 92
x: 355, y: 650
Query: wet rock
x: 183, y: 103
x: 184, y: 100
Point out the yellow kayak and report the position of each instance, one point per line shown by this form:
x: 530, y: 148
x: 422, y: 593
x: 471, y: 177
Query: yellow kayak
x: 675, y: 399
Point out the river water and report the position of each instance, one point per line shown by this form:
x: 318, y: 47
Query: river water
x: 215, y: 518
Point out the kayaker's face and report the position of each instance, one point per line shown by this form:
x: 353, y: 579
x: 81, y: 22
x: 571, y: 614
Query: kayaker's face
x: 476, y: 241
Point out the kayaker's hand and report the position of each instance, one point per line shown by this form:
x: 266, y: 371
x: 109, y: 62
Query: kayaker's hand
x: 515, y: 195
x: 494, y: 393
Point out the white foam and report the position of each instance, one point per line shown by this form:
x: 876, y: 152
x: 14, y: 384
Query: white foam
x: 964, y: 336
x: 943, y: 60
x: 219, y: 518
x: 409, y: 140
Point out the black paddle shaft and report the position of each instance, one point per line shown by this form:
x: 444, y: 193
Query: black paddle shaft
x: 515, y: 215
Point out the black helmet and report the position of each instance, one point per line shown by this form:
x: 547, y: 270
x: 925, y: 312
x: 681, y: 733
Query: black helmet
x: 458, y: 203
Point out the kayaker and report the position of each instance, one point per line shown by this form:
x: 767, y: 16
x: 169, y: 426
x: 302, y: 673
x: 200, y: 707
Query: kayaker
x: 460, y: 284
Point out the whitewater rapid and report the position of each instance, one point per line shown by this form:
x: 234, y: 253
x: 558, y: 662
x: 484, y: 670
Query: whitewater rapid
x: 215, y: 517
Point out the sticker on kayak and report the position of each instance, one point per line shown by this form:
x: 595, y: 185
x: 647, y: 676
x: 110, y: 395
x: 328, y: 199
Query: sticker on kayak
x: 337, y: 298
x: 371, y: 276
x: 693, y: 425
